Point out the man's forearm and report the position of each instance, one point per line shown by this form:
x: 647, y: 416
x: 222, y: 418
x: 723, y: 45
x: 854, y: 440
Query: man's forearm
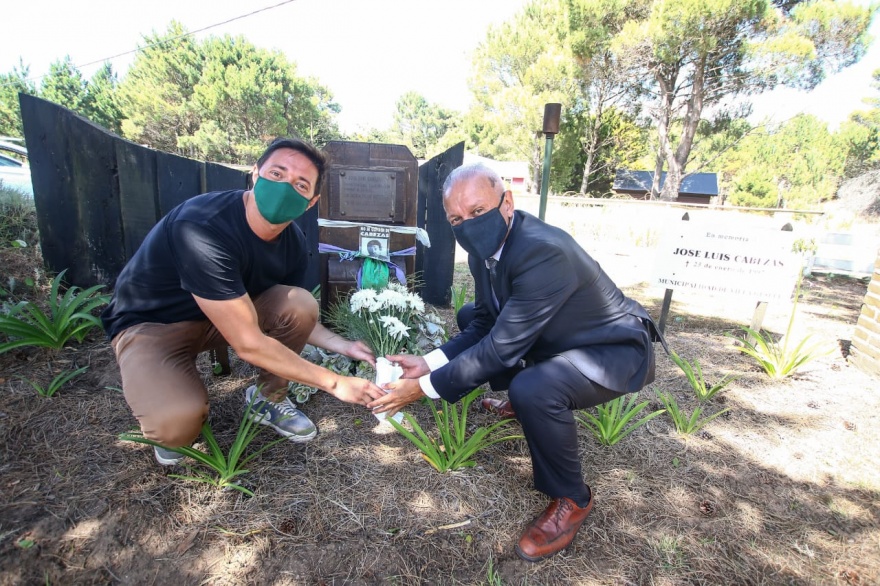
x: 328, y: 340
x: 281, y: 361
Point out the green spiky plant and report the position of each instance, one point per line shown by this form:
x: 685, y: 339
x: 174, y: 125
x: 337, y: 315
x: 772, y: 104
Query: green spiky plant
x: 780, y: 359
x: 694, y: 374
x: 69, y: 318
x: 454, y: 449
x: 614, y: 420
x: 686, y: 423
x: 460, y: 297
x: 56, y: 383
x: 223, y: 469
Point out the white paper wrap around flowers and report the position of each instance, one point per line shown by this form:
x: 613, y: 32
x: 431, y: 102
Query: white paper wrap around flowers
x: 387, y: 372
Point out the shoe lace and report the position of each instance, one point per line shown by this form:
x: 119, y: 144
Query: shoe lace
x: 286, y: 408
x: 562, y: 508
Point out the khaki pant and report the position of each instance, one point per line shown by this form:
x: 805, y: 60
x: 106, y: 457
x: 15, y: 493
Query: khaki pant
x: 158, y: 363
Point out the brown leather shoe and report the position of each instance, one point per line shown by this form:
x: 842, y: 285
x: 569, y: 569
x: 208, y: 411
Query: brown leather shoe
x: 503, y: 409
x: 553, y: 530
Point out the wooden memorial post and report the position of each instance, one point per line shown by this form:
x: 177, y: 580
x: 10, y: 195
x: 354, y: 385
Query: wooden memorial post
x: 371, y: 186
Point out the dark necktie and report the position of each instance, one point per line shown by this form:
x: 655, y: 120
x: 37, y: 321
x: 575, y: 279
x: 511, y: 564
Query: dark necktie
x: 493, y: 263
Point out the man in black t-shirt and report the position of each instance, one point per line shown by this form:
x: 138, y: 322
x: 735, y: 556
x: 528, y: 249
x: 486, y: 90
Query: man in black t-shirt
x: 228, y: 267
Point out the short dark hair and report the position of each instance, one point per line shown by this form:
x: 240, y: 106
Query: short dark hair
x: 308, y: 150
x: 372, y: 242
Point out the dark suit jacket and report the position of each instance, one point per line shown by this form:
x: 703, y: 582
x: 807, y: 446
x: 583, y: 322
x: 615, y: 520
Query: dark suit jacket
x: 555, y: 300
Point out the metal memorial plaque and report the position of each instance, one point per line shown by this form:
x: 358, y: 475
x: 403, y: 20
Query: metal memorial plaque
x: 363, y: 194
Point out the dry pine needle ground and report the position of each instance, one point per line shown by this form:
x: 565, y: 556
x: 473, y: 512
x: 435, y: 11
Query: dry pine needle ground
x: 783, y: 489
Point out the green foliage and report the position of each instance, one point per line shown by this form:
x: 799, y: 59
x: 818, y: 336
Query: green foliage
x: 493, y: 578
x: 64, y: 85
x: 522, y: 65
x: 777, y: 358
x: 694, y: 374
x: 10, y: 85
x: 684, y: 423
x: 754, y: 187
x: 860, y: 135
x: 69, y: 317
x: 454, y: 449
x: 101, y: 104
x: 797, y: 164
x: 219, y: 98
x: 223, y: 469
x: 421, y: 125
x: 613, y: 420
x: 59, y: 381
x: 18, y: 217
x: 460, y: 297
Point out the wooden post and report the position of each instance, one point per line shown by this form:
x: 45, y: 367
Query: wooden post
x: 757, y: 319
x: 664, y: 311
x: 437, y: 263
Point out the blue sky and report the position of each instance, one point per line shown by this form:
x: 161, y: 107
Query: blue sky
x: 368, y: 52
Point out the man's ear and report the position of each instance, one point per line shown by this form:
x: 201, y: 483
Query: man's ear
x: 314, y: 200
x: 508, y: 199
x: 255, y: 172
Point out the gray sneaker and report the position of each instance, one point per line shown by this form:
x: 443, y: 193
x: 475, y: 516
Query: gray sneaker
x: 167, y: 457
x: 283, y: 417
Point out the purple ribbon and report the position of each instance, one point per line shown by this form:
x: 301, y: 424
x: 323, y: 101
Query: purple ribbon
x: 345, y: 254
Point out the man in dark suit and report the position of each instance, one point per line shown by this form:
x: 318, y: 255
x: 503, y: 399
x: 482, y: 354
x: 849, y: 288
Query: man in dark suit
x: 548, y: 325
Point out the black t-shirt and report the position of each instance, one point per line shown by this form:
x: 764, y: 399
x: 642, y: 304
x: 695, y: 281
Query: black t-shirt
x: 203, y: 247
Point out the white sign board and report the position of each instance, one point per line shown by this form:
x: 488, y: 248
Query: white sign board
x: 728, y: 259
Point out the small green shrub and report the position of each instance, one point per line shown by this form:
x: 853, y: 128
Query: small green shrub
x: 778, y: 359
x: 223, y: 468
x: 694, y: 374
x: 684, y: 423
x: 454, y: 449
x: 69, y: 317
x: 612, y: 420
x: 59, y: 381
x: 18, y: 217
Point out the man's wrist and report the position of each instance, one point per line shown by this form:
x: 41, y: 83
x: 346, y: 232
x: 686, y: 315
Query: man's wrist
x: 427, y: 387
x: 436, y: 359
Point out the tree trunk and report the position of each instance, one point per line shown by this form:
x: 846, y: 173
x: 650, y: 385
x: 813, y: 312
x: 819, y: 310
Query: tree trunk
x: 658, y: 173
x: 666, y: 84
x: 591, y: 145
x: 537, y: 161
x: 676, y: 162
x: 588, y: 169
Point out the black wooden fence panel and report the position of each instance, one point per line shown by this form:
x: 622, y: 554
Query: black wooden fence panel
x: 308, y: 223
x: 219, y: 177
x: 178, y: 179
x: 62, y: 244
x: 437, y: 263
x: 98, y: 195
x: 137, y: 193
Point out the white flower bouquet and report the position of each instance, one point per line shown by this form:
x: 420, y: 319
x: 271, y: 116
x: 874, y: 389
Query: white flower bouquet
x: 390, y: 321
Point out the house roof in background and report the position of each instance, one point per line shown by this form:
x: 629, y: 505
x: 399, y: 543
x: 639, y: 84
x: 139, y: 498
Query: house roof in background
x: 640, y: 181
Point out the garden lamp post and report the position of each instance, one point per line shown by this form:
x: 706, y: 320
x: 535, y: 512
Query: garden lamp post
x: 551, y: 127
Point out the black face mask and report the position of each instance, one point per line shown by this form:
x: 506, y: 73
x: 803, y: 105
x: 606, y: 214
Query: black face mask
x: 483, y: 235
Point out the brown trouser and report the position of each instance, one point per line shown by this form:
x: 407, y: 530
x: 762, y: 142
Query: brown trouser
x: 158, y: 363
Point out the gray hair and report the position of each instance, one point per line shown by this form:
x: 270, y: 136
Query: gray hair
x: 466, y: 172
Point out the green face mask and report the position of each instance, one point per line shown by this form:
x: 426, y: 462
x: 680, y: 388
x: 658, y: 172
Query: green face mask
x: 278, y: 201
